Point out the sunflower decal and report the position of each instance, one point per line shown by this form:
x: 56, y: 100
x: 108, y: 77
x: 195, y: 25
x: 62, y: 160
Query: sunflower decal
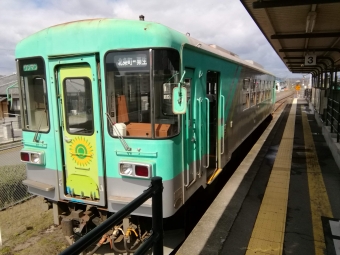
x: 81, y: 151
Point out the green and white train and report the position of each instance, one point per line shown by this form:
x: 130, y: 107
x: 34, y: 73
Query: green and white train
x: 107, y: 104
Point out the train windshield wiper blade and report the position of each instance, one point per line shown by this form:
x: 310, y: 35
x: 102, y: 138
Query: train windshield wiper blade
x: 38, y: 129
x: 121, y: 138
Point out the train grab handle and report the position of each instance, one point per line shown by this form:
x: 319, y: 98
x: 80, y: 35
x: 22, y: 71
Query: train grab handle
x: 188, y: 121
x: 199, y: 100
x: 208, y: 131
x: 222, y: 120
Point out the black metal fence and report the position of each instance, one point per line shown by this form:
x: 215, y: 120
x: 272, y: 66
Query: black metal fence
x: 155, y: 240
x: 12, y: 171
x: 308, y: 94
x: 333, y: 116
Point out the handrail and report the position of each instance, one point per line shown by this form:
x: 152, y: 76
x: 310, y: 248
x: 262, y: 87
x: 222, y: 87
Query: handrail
x: 9, y: 98
x: 152, y: 94
x: 222, y: 120
x: 156, y: 238
x: 208, y: 131
x: 188, y: 184
x: 200, y: 132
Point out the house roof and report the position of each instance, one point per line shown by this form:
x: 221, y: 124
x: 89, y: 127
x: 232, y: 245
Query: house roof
x: 5, y: 82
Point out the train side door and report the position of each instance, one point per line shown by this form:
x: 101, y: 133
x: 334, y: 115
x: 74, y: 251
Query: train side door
x: 81, y: 132
x: 212, y: 158
x: 192, y: 163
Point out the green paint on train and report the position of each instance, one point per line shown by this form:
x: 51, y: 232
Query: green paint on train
x: 98, y: 109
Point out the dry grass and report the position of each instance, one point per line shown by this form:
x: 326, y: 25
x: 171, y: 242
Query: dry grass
x: 28, y: 229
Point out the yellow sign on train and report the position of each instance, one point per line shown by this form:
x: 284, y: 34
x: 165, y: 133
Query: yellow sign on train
x: 297, y: 87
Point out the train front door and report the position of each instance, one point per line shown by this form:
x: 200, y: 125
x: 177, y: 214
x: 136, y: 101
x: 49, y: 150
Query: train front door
x: 81, y: 132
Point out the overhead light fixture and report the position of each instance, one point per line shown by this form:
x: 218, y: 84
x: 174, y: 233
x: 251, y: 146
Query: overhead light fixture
x: 310, y: 22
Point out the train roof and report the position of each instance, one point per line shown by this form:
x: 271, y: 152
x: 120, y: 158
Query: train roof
x: 227, y: 54
x: 102, y: 35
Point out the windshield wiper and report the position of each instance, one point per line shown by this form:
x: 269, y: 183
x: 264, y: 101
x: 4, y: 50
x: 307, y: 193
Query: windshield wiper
x: 38, y: 129
x: 172, y: 77
x: 121, y: 139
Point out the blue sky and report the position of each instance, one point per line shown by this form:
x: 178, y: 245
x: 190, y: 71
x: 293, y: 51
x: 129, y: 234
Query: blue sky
x: 226, y: 24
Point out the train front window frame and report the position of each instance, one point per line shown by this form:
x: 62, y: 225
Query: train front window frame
x: 34, y: 94
x: 135, y: 101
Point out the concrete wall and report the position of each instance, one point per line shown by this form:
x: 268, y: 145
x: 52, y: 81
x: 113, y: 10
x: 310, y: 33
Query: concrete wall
x: 16, y: 122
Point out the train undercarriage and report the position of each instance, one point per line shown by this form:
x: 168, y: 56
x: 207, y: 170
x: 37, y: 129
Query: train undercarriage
x: 77, y: 220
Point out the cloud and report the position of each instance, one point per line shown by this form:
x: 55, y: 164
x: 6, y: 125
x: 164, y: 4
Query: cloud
x: 226, y: 24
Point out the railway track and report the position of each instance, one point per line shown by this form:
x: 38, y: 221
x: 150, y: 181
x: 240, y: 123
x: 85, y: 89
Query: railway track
x: 282, y: 100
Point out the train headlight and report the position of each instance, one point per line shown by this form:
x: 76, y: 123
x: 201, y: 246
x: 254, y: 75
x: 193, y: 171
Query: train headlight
x: 126, y: 169
x: 134, y: 169
x: 32, y: 157
x: 35, y: 158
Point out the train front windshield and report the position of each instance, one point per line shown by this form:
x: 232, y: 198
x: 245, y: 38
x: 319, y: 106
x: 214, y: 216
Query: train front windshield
x: 135, y: 100
x: 33, y: 94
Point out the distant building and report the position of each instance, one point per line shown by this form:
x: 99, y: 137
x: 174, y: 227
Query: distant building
x: 8, y: 84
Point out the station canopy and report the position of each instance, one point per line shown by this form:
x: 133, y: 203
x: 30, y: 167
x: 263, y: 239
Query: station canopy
x: 304, y: 33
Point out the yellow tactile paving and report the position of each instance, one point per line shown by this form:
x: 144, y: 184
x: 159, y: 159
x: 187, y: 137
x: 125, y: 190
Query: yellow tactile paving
x: 257, y: 246
x: 279, y: 207
x: 319, y: 201
x: 273, y: 235
x: 268, y: 232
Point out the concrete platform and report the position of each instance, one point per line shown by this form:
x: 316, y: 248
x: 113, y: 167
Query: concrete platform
x: 228, y: 225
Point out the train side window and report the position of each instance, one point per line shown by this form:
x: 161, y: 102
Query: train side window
x: 212, y: 82
x: 253, y: 93
x: 266, y: 89
x: 245, y: 94
x: 267, y: 86
x: 258, y: 91
x: 33, y: 90
x: 258, y: 86
x: 187, y: 82
x: 263, y: 87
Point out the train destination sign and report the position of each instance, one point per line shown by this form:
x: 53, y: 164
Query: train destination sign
x: 131, y: 60
x: 30, y: 67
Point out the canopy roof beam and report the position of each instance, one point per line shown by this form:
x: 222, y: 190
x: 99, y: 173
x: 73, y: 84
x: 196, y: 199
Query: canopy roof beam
x: 286, y: 3
x: 304, y: 35
x: 310, y: 50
